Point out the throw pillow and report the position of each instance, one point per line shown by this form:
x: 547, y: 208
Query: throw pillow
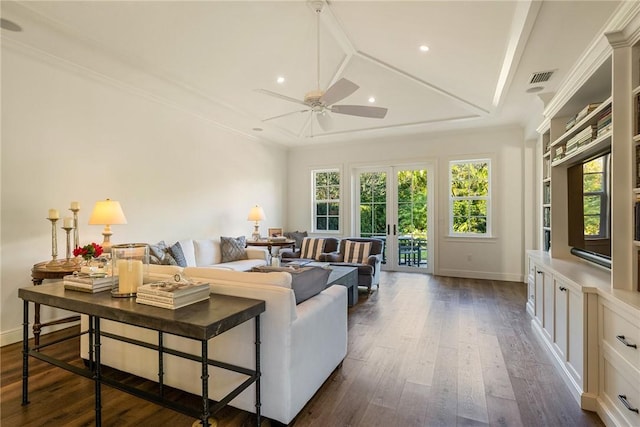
x: 311, y: 248
x: 356, y: 252
x: 298, y: 236
x: 178, y: 254
x: 160, y: 254
x: 233, y: 249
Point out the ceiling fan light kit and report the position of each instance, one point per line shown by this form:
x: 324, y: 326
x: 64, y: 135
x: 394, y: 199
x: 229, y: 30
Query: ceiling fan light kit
x: 320, y: 102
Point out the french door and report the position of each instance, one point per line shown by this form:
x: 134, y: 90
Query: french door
x: 393, y: 204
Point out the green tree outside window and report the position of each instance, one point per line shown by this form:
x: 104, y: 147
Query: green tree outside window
x: 326, y: 213
x: 469, y: 197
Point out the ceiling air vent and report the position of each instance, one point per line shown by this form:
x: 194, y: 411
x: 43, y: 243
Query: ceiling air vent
x: 540, y: 77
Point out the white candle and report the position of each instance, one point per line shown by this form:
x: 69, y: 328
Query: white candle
x: 75, y: 206
x: 53, y: 214
x: 129, y: 275
x: 68, y: 222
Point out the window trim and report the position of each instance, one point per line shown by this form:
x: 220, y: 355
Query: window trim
x: 314, y: 201
x: 489, y: 199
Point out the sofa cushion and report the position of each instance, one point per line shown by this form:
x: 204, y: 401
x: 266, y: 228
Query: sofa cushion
x: 311, y: 248
x: 233, y: 249
x: 207, y: 252
x: 356, y: 252
x: 178, y: 254
x: 160, y: 254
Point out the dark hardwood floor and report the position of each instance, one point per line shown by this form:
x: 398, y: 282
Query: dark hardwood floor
x: 423, y: 351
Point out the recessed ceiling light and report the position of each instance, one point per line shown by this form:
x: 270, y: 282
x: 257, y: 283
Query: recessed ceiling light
x: 424, y: 48
x: 372, y: 99
x: 280, y: 79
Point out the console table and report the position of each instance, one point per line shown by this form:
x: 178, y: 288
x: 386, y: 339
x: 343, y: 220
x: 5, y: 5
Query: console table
x: 200, y: 321
x: 39, y: 273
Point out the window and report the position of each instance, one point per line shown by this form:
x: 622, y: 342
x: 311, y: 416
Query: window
x: 470, y: 197
x: 326, y: 200
x: 595, y: 197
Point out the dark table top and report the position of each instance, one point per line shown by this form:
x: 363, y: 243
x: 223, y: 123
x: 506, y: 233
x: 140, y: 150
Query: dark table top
x: 202, y: 320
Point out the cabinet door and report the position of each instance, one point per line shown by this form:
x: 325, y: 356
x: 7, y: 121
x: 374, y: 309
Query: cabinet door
x: 575, y: 333
x: 548, y: 305
x: 561, y: 320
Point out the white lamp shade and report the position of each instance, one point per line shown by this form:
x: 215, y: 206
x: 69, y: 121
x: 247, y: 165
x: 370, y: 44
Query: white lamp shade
x: 256, y: 214
x: 107, y: 212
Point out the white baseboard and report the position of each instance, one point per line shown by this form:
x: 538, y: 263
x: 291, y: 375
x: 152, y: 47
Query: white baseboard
x: 486, y: 275
x: 15, y: 335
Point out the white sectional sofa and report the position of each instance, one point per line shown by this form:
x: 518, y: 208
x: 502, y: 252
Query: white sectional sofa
x: 301, y: 344
x: 207, y: 253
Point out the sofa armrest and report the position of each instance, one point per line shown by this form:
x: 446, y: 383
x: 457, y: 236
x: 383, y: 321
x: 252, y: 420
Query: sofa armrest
x: 257, y: 253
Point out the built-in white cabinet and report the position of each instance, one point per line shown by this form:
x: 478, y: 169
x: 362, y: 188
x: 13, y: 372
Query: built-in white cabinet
x: 562, y: 318
x: 619, y: 336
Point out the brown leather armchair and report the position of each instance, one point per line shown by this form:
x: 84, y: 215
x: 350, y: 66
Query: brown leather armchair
x: 368, y: 268
x: 330, y: 244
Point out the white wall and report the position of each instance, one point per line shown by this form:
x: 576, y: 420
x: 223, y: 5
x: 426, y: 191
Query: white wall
x: 69, y: 135
x: 499, y: 258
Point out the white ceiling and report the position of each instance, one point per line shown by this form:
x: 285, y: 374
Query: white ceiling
x: 208, y: 57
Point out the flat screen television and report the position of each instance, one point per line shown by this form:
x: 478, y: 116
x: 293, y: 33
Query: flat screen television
x: 589, y: 209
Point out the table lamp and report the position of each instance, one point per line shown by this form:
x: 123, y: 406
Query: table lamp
x: 256, y: 214
x: 107, y: 213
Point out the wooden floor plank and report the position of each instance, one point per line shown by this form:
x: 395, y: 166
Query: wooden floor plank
x: 422, y: 351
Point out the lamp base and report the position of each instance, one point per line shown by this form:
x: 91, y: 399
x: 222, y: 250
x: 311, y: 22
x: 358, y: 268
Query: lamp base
x: 256, y: 233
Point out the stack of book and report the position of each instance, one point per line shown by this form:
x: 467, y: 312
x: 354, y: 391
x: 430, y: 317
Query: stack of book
x: 172, y: 295
x: 89, y: 283
x: 604, y: 121
x: 583, y: 137
x: 582, y: 114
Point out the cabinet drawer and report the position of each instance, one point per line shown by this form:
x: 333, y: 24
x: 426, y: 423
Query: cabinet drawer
x: 617, y: 329
x: 618, y: 387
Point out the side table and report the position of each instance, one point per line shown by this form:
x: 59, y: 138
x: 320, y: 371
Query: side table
x: 39, y: 273
x: 271, y: 243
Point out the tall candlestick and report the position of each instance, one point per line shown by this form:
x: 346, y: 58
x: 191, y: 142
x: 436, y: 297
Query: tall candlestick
x: 54, y: 263
x: 75, y: 207
x: 69, y: 262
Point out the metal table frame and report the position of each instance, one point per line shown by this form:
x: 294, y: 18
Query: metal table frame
x: 97, y: 306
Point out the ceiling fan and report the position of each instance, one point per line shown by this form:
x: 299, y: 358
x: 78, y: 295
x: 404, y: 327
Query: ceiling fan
x: 320, y: 102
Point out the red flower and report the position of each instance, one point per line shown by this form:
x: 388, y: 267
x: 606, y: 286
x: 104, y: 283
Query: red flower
x: 92, y: 250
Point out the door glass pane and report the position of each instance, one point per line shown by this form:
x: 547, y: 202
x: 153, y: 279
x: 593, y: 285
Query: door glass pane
x: 373, y: 204
x: 412, y: 218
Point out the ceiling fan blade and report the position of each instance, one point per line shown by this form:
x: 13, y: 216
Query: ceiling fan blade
x: 285, y: 114
x: 325, y: 121
x: 277, y: 95
x: 360, y: 110
x: 339, y: 90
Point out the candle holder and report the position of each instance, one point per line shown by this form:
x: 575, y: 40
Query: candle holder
x: 129, y: 268
x: 76, y: 234
x: 69, y: 263
x: 54, y: 264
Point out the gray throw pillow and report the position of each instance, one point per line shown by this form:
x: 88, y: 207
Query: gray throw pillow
x: 233, y: 249
x: 160, y: 254
x: 178, y: 254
